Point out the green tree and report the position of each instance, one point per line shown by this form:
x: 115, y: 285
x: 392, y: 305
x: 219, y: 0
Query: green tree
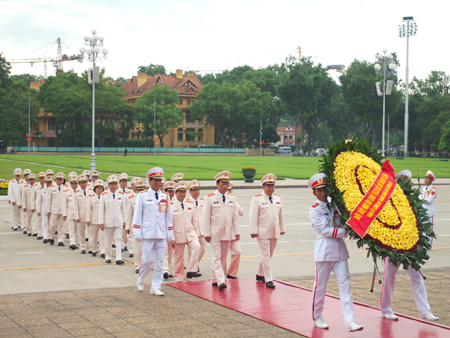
x: 27, y: 78
x: 444, y: 142
x: 437, y: 83
x: 152, y: 69
x: 162, y: 100
x: 435, y: 112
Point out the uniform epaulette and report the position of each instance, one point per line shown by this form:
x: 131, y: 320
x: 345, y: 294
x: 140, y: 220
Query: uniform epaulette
x: 131, y: 196
x: 90, y: 195
x: 201, y: 198
x: 315, y: 205
x: 189, y: 200
x: 12, y: 180
x: 231, y: 194
x: 77, y: 190
x: 257, y: 195
x: 104, y: 193
x: 276, y: 194
x: 210, y: 194
x: 121, y: 192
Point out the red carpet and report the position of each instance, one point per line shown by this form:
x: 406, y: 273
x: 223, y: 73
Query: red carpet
x: 289, y: 307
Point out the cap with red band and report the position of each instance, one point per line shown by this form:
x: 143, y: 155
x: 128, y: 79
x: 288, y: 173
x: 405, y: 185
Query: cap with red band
x: 155, y: 172
x: 317, y: 181
x: 430, y: 175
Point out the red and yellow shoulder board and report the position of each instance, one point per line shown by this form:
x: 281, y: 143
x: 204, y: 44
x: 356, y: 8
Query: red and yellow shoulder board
x: 257, y: 195
x: 90, y: 195
x: 104, y: 193
x: 201, y: 199
x: 210, y: 194
x: 276, y: 194
x: 315, y: 205
x: 131, y: 196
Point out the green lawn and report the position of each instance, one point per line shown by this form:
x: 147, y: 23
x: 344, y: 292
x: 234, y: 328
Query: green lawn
x: 198, y: 167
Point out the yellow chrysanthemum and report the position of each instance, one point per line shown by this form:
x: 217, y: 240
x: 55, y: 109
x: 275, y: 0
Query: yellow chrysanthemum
x: 396, y: 224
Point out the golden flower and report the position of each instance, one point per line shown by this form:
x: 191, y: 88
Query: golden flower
x: 395, y: 226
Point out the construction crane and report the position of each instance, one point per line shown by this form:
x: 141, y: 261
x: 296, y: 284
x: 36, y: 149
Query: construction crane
x: 57, y: 61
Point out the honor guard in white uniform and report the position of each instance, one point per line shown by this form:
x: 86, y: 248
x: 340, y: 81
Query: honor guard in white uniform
x: 184, y: 223
x: 71, y: 214
x: 266, y: 225
x: 81, y: 201
x: 136, y: 254
x: 28, y: 204
x: 330, y: 254
x: 43, y: 207
x: 56, y: 205
x: 220, y: 225
x: 168, y: 186
x: 93, y: 221
x: 40, y: 188
x: 153, y: 227
x: 14, y: 198
x: 428, y: 195
x: 194, y: 191
x: 112, y: 215
x: 94, y: 177
x: 417, y: 283
x: 235, y: 244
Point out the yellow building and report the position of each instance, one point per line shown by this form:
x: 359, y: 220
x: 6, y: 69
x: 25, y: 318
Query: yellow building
x: 190, y: 133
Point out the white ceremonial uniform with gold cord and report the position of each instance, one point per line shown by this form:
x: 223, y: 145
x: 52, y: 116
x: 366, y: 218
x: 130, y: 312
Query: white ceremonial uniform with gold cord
x: 112, y: 214
x: 221, y: 223
x: 71, y: 212
x: 41, y: 208
x: 28, y: 205
x: 92, y: 216
x: 81, y: 201
x: 266, y: 220
x: 153, y: 227
x: 184, y: 223
x: 428, y: 195
x: 330, y: 254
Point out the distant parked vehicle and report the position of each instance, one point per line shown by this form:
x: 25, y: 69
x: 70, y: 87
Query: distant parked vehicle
x: 318, y: 152
x: 284, y: 150
x: 298, y: 153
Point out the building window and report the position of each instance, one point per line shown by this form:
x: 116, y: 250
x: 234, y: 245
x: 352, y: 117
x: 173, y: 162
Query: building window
x: 51, y: 124
x: 200, y: 135
x: 190, y: 134
x: 189, y: 118
x: 180, y: 134
x: 180, y: 101
x: 188, y: 102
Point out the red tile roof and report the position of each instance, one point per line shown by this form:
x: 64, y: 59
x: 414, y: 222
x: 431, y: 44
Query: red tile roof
x: 187, y: 85
x: 289, y: 129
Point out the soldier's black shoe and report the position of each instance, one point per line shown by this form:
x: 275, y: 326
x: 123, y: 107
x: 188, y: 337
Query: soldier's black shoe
x: 83, y: 252
x: 45, y: 241
x: 125, y: 248
x: 193, y: 274
x: 90, y: 251
x: 231, y: 277
x: 222, y: 286
x: 166, y: 275
x: 61, y: 244
x: 113, y: 245
x: 34, y: 235
x: 67, y: 236
x: 260, y: 279
x: 102, y: 255
x: 131, y: 255
x: 72, y: 246
x: 86, y: 239
x: 51, y: 241
x: 29, y: 234
x: 214, y: 284
x: 39, y: 238
x: 94, y: 254
x: 108, y: 261
x: 137, y: 270
x: 120, y: 262
x: 270, y: 285
x: 24, y: 232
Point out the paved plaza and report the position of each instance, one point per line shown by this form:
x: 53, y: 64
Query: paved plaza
x: 53, y: 291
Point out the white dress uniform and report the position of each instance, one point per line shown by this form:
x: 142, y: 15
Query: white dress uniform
x: 112, y: 214
x: 72, y: 214
x: 28, y: 205
x: 198, y: 209
x: 14, y: 199
x: 56, y: 205
x: 330, y: 254
x: 153, y: 227
x: 42, y: 209
x: 266, y: 220
x: 428, y: 195
x: 92, y: 216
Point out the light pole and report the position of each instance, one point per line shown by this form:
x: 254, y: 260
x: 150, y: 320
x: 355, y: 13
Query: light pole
x: 29, y: 124
x: 410, y: 29
x: 384, y: 67
x: 92, y: 53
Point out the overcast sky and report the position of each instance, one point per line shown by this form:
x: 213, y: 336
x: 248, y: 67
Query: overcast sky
x: 218, y: 35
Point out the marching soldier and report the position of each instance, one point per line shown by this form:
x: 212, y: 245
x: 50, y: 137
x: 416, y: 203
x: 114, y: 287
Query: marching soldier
x: 56, y: 208
x: 136, y: 254
x: 194, y: 191
x: 168, y: 255
x: 184, y: 223
x: 40, y: 187
x: 417, y: 283
x: 220, y: 225
x: 22, y: 185
x: 93, y: 221
x: 266, y: 224
x: 81, y: 201
x: 14, y: 198
x: 43, y: 207
x: 123, y: 189
x: 28, y: 204
x: 152, y: 226
x: 71, y: 212
x: 330, y: 254
x: 235, y: 245
x: 112, y: 216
